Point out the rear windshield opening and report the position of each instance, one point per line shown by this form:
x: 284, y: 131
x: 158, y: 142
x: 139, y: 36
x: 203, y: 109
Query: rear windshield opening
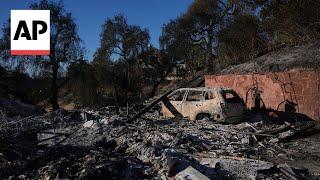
x: 231, y: 97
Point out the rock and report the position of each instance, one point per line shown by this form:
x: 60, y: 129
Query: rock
x: 104, y: 121
x: 190, y: 173
x: 90, y: 124
x: 115, y: 118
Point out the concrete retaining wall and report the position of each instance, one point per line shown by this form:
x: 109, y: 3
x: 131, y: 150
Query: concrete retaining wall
x: 299, y: 86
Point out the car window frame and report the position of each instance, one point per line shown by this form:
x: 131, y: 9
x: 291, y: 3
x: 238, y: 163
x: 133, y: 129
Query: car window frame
x: 178, y: 91
x: 235, y: 95
x: 207, y: 92
x: 202, y: 95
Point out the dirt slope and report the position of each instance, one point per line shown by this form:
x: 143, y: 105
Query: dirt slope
x: 296, y: 57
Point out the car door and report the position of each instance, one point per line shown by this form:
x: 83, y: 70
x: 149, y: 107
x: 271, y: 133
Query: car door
x: 192, y: 103
x: 176, y: 99
x: 233, y: 105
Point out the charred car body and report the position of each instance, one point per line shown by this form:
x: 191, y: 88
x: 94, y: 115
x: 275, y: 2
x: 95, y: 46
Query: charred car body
x: 219, y: 104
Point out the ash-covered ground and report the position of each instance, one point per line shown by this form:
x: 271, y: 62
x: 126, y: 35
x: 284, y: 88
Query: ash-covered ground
x: 101, y: 144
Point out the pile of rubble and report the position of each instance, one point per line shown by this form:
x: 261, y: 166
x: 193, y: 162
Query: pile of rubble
x: 102, y: 144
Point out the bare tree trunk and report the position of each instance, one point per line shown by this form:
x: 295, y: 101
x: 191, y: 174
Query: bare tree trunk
x: 154, y: 89
x: 54, y: 86
x: 210, y: 55
x: 127, y: 75
x: 157, y: 83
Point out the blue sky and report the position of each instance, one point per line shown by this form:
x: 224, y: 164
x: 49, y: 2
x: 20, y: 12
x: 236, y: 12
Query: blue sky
x: 91, y: 14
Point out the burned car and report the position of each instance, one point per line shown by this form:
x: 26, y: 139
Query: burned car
x: 218, y: 104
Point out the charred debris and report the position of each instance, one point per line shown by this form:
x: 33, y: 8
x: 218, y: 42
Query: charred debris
x: 106, y: 143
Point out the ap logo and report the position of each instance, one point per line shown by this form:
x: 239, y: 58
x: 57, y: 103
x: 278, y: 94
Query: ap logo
x: 30, y: 32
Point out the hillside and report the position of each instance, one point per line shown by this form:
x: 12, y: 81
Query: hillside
x: 304, y: 56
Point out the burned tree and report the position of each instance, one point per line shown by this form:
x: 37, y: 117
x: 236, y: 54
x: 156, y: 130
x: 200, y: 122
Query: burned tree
x: 156, y: 66
x: 64, y: 45
x: 203, y: 21
x: 195, y: 34
x: 121, y: 43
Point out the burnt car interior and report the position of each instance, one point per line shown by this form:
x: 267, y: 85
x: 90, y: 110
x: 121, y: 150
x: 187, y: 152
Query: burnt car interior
x: 194, y: 96
x: 231, y: 97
